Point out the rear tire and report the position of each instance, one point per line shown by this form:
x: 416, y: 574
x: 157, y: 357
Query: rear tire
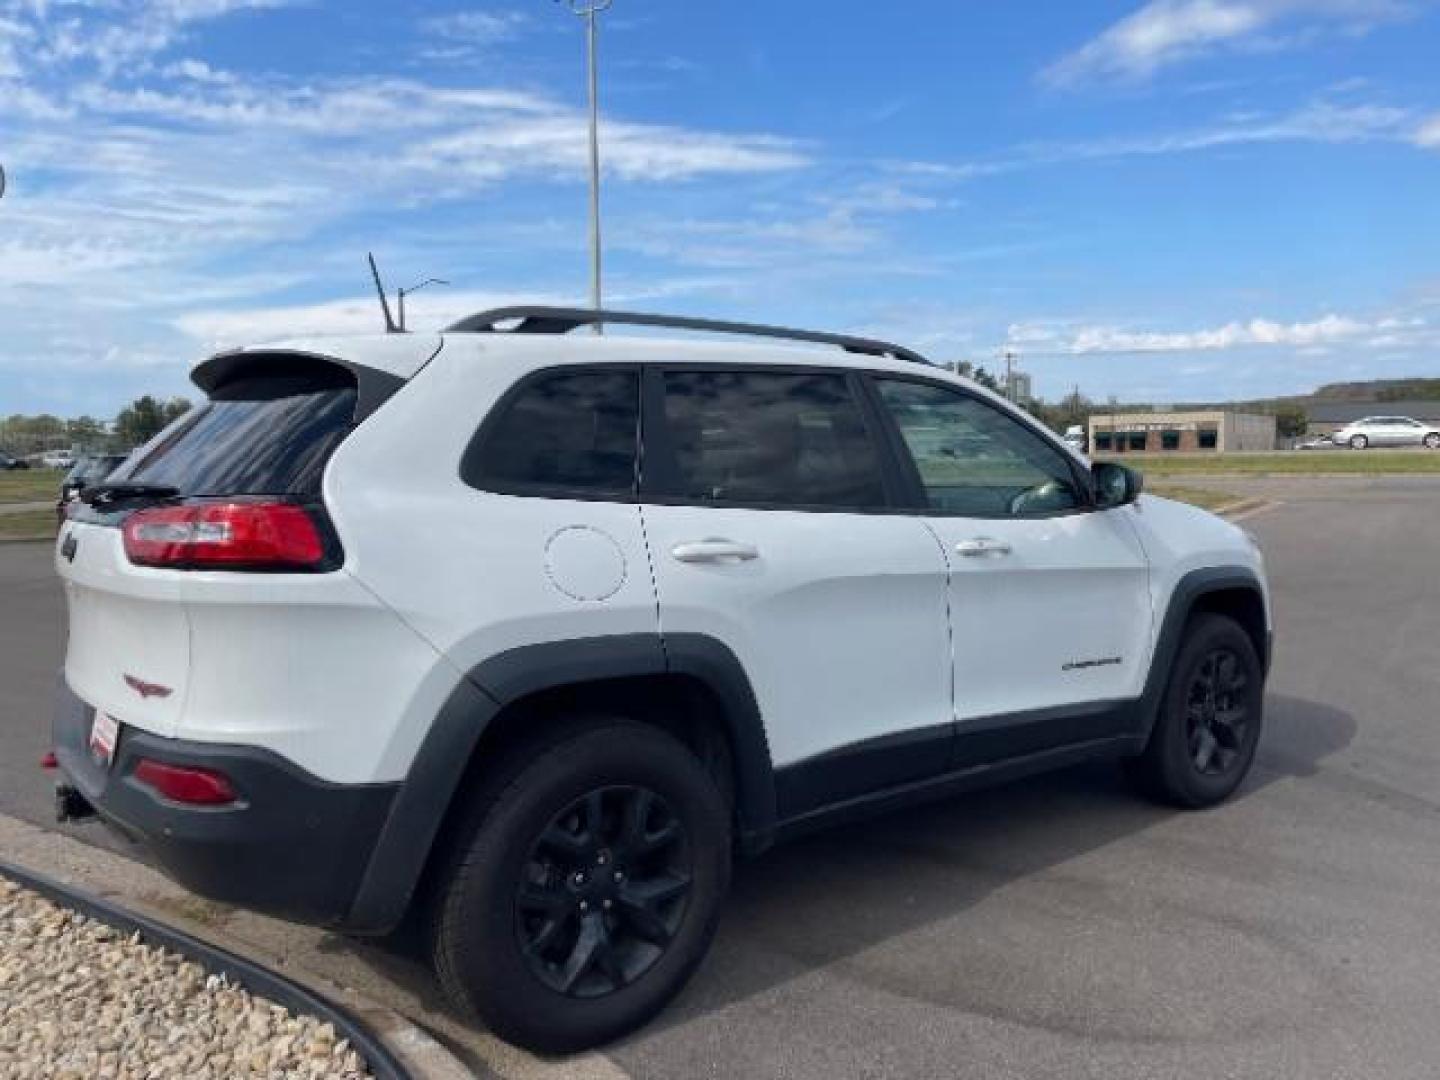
x: 1358, y: 442
x: 1208, y: 727
x: 586, y: 887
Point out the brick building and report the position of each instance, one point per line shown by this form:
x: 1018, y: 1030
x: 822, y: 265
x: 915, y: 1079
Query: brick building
x: 1181, y: 432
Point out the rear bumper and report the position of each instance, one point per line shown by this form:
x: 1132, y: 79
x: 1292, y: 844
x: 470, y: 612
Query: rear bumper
x: 294, y: 845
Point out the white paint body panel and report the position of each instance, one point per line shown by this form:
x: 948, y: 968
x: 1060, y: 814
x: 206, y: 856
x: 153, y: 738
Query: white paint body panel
x: 839, y: 622
x: 1178, y: 538
x: 311, y: 666
x: 1071, y: 589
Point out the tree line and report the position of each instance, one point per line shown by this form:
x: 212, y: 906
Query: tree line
x: 133, y: 425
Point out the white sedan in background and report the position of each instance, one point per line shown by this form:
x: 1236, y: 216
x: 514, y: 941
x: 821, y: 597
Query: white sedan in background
x: 1388, y: 431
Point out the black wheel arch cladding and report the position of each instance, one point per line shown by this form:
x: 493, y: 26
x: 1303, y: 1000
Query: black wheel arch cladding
x: 436, y: 774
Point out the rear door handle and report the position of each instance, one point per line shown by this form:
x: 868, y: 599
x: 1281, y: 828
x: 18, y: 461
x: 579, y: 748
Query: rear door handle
x: 981, y: 547
x: 714, y: 550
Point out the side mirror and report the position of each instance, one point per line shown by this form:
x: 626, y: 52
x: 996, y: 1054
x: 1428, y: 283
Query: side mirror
x: 1115, y: 485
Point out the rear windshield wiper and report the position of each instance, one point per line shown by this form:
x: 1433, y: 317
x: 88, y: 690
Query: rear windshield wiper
x: 125, y: 491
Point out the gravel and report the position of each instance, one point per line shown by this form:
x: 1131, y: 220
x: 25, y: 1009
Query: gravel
x: 81, y: 1000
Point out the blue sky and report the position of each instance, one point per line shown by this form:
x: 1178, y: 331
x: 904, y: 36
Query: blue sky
x: 1166, y: 201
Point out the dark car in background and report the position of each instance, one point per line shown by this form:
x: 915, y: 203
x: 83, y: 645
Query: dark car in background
x: 90, y: 469
x: 8, y: 463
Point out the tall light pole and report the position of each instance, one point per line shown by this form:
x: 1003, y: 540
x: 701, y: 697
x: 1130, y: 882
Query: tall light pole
x: 588, y: 10
x: 413, y: 289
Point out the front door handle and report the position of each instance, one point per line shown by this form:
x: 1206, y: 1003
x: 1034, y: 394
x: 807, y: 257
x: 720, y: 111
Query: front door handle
x: 982, y: 547
x: 714, y: 550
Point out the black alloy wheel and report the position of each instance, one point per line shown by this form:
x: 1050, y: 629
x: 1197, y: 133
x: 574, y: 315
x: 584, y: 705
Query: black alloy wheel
x: 603, y: 891
x: 1209, y: 718
x: 584, y: 884
x: 1216, y: 715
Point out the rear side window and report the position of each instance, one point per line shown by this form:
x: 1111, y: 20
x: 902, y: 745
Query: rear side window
x: 567, y: 433
x: 769, y: 439
x: 257, y: 435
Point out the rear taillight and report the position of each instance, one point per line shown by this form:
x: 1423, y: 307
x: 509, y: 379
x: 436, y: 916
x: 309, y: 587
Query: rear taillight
x: 225, y: 536
x: 185, y: 783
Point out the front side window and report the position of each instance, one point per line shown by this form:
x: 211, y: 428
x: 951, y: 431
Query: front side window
x: 975, y: 460
x: 565, y: 433
x: 772, y: 439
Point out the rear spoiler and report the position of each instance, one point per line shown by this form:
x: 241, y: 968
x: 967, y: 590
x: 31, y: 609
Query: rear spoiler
x: 373, y: 386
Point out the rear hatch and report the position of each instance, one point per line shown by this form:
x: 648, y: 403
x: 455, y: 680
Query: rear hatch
x: 261, y: 443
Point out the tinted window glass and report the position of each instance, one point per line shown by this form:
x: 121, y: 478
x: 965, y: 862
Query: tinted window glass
x: 974, y: 459
x: 763, y: 438
x: 256, y: 436
x: 567, y: 432
x: 90, y: 469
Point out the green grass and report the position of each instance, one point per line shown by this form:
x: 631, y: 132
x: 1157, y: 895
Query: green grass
x: 1201, y: 497
x: 29, y: 485
x: 1287, y: 463
x: 28, y: 524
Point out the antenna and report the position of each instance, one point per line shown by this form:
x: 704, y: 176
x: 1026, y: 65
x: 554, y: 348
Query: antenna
x: 390, y: 327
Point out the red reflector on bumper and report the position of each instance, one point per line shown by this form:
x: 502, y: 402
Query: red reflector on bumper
x: 186, y: 784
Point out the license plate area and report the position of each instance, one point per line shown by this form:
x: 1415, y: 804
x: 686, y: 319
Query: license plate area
x: 104, y: 735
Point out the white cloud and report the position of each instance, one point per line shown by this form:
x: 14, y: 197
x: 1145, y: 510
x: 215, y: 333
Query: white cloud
x: 1083, y: 340
x: 475, y: 27
x: 1318, y: 122
x: 1428, y: 134
x: 1166, y: 32
x: 556, y: 143
x: 118, y: 34
x: 197, y: 71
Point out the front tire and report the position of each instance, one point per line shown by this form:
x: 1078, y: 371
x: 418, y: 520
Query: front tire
x: 1208, y: 727
x: 1358, y: 442
x: 587, y: 888
x: 1432, y: 441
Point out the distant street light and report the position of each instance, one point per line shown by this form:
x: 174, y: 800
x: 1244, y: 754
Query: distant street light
x: 588, y: 10
x: 414, y: 289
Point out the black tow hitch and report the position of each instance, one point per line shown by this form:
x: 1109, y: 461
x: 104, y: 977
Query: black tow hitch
x: 70, y: 805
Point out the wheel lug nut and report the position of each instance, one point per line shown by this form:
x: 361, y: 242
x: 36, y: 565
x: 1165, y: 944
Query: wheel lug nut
x: 619, y: 877
x: 606, y: 905
x: 584, y: 906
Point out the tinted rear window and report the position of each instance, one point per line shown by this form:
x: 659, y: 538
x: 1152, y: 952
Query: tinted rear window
x: 257, y: 436
x: 564, y: 433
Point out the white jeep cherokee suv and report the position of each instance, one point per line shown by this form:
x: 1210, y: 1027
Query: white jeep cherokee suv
x: 528, y: 633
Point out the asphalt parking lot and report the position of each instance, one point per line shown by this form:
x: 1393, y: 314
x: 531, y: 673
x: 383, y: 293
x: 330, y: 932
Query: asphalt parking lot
x: 1061, y: 928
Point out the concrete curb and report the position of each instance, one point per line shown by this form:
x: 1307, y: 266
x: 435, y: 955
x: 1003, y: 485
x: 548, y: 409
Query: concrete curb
x: 72, y: 866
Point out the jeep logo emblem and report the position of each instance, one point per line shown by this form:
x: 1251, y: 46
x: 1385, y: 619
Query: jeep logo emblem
x: 147, y: 690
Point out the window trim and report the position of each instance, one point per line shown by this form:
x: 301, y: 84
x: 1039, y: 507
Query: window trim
x: 917, y: 502
x: 468, y: 467
x: 658, y: 473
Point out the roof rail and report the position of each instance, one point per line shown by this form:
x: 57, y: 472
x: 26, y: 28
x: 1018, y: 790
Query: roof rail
x: 557, y: 320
